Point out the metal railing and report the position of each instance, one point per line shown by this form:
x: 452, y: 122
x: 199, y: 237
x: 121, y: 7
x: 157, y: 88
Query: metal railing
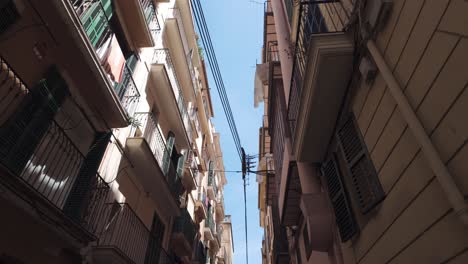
x: 162, y: 56
x: 94, y: 16
x: 151, y: 18
x: 121, y: 229
x: 12, y: 91
x: 185, y: 225
x: 212, y: 182
x: 273, y: 51
x: 277, y: 126
x: 315, y: 17
x: 209, y: 222
x: 127, y: 90
x: 149, y: 128
x: 38, y: 151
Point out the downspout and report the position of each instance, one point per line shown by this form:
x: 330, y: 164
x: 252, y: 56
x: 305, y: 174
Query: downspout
x: 441, y: 172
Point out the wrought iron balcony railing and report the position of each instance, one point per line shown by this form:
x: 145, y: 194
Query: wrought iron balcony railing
x: 209, y: 222
x: 151, y: 18
x: 162, y: 56
x: 277, y: 125
x: 212, y: 182
x: 185, y: 225
x: 152, y: 134
x: 40, y: 155
x: 121, y: 229
x: 315, y: 17
x: 95, y: 18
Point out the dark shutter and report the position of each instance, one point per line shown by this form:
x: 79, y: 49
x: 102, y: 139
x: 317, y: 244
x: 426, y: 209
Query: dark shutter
x: 153, y: 251
x: 8, y: 14
x: 365, y: 180
x: 78, y: 201
x: 168, y: 153
x: 340, y: 200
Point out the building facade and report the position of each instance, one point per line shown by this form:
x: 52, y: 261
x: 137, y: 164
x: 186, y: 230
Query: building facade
x: 108, y: 151
x: 363, y: 135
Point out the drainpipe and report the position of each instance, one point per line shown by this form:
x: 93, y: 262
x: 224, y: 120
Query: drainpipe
x: 284, y: 44
x: 443, y: 176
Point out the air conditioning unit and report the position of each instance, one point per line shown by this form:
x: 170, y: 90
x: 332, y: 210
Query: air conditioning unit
x: 377, y: 14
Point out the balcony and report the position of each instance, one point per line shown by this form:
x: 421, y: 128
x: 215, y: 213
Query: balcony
x: 181, y: 52
x: 215, y: 244
x: 280, y: 246
x: 124, y: 238
x: 208, y: 230
x: 291, y: 209
x: 40, y: 162
x: 190, y: 172
x: 201, y: 207
x: 166, y: 92
x: 149, y: 155
x: 323, y: 51
x: 184, y: 232
x: 211, y: 188
x: 115, y: 70
x: 220, y: 207
x: 139, y: 22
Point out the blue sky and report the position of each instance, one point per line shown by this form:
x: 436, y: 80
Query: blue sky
x: 236, y: 28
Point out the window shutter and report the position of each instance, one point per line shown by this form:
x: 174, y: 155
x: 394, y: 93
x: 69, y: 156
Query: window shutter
x: 340, y: 200
x: 168, y: 153
x: 155, y: 241
x: 364, y: 176
x: 9, y: 14
x: 181, y: 165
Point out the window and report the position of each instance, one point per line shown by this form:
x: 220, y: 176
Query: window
x: 340, y: 201
x: 350, y: 173
x: 365, y: 181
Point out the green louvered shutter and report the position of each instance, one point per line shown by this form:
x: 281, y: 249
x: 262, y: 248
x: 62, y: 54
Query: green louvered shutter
x: 95, y: 20
x: 340, y: 200
x: 365, y: 180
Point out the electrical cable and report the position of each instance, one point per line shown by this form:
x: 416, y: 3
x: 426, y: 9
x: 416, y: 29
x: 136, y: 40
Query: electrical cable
x: 214, y: 67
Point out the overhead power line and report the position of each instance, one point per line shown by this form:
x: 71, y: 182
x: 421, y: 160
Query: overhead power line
x: 218, y: 79
x: 214, y: 66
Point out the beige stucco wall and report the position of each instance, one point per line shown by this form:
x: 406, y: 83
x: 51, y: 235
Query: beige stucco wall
x: 426, y: 45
